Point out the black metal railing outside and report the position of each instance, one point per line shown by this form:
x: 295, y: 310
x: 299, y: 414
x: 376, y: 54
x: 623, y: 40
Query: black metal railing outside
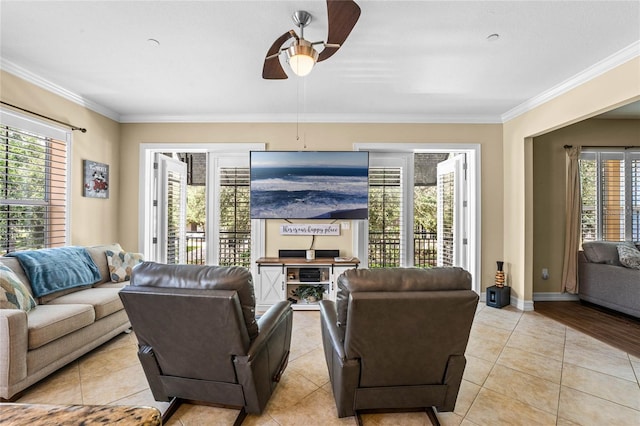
x: 425, y: 252
x: 385, y: 251
x: 196, y: 249
x: 234, y: 249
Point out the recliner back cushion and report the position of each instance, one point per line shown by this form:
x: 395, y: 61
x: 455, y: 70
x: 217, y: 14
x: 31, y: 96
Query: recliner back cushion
x: 151, y: 274
x: 407, y: 338
x: 397, y: 279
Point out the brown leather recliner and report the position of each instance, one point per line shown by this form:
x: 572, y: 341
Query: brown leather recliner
x: 395, y: 339
x: 198, y: 337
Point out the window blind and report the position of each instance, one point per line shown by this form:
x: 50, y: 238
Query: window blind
x: 634, y: 195
x: 234, y: 240
x: 610, y: 194
x: 174, y: 213
x: 385, y: 216
x: 33, y: 183
x: 446, y: 201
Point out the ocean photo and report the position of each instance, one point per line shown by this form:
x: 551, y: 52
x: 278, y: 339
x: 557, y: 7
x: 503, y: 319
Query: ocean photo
x: 309, y: 185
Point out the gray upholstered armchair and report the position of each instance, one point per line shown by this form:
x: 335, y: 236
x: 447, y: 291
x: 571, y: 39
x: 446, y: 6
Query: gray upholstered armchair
x: 198, y: 337
x: 395, y: 339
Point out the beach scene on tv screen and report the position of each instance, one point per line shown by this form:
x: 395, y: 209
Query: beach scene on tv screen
x: 309, y: 185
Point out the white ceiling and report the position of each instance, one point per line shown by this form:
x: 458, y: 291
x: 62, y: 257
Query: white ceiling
x: 405, y: 61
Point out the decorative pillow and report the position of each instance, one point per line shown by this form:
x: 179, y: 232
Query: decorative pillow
x: 602, y: 252
x: 629, y: 255
x: 13, y: 293
x: 121, y: 264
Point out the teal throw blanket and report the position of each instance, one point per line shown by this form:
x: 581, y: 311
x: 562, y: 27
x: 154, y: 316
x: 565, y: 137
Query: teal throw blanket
x: 55, y: 269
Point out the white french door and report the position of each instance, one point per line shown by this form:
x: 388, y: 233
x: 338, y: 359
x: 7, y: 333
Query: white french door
x: 452, y: 213
x: 171, y: 206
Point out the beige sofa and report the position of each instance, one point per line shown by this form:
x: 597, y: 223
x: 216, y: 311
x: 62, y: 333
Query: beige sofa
x: 62, y: 327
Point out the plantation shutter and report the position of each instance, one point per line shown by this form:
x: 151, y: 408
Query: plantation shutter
x: 589, y: 196
x: 385, y: 217
x: 610, y: 194
x: 634, y: 209
x: 613, y: 196
x: 234, y: 232
x: 171, y: 210
x: 33, y: 182
x: 446, y: 203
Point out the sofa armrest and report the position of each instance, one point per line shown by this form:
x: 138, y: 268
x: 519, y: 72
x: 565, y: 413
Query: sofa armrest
x: 260, y: 370
x: 13, y: 350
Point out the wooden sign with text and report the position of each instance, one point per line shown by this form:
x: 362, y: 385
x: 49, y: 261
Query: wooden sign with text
x: 310, y: 229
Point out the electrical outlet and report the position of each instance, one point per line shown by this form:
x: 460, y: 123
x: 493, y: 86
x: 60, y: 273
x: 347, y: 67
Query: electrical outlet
x: 545, y: 274
x: 345, y: 226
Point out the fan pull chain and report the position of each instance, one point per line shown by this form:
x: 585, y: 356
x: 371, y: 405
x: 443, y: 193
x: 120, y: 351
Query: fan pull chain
x: 300, y: 81
x: 298, y: 110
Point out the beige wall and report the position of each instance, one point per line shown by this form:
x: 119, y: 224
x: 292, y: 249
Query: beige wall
x: 549, y: 174
x: 93, y: 221
x: 323, y: 137
x: 507, y: 160
x: 607, y: 91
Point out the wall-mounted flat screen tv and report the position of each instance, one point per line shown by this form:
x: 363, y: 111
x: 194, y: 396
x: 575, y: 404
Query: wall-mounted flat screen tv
x: 309, y: 184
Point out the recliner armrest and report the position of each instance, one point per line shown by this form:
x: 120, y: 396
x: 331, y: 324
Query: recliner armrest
x: 329, y: 318
x: 259, y: 370
x: 267, y: 324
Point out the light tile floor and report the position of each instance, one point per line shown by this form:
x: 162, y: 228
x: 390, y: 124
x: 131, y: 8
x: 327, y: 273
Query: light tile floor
x: 522, y: 369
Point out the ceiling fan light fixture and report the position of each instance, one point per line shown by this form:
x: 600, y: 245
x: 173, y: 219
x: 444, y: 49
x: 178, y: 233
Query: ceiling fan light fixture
x: 302, y: 57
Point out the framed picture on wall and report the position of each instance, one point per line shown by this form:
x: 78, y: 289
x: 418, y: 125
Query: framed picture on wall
x: 96, y: 179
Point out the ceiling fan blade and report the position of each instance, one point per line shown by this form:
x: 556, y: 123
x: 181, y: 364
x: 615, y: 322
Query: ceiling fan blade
x: 272, y: 69
x: 343, y: 15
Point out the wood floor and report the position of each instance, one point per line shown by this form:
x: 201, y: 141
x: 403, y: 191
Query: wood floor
x: 616, y: 329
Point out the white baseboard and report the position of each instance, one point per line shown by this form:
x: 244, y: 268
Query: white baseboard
x: 554, y: 297
x: 523, y: 305
x: 527, y: 305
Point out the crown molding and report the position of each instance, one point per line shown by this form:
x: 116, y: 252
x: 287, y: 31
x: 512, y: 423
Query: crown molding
x: 47, y: 85
x: 311, y: 118
x: 630, y: 52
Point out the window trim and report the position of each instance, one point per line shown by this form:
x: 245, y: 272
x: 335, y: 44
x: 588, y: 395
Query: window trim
x: 43, y: 128
x: 474, y: 197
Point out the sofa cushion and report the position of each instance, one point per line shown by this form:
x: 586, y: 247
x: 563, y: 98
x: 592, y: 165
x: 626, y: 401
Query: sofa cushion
x: 13, y: 293
x: 602, y: 252
x: 50, y: 322
x: 121, y: 264
x: 629, y: 255
x: 105, y: 301
x: 43, y: 300
x: 97, y: 253
x: 110, y: 284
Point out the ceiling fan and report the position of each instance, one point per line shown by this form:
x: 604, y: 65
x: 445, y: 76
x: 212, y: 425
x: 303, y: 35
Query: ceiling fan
x: 301, y: 54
